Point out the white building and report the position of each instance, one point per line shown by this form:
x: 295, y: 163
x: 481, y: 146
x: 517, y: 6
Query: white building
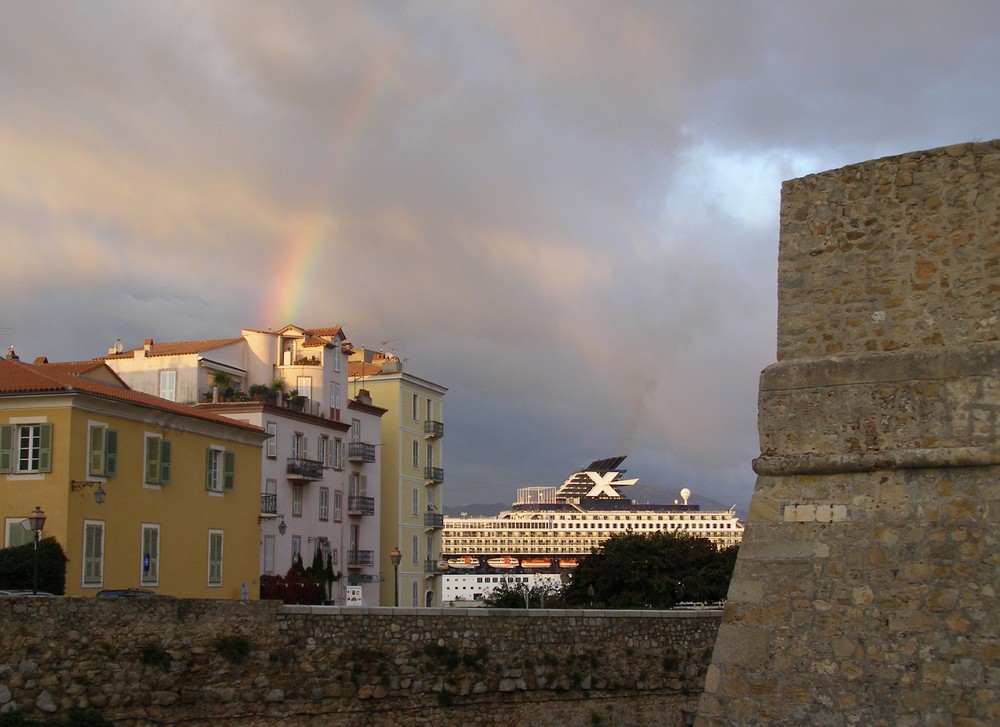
x: 321, y: 455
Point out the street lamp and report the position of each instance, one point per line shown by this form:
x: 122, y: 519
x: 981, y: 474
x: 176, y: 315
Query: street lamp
x: 37, y: 521
x: 395, y: 556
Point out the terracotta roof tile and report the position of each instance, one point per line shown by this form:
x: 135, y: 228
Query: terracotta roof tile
x: 175, y: 348
x: 17, y: 377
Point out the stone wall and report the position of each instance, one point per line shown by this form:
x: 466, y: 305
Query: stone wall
x: 866, y: 589
x: 184, y: 661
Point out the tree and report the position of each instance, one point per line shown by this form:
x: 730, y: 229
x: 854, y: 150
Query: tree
x: 652, y: 570
x: 512, y: 595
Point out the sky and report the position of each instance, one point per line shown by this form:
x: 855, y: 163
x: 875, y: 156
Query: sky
x: 564, y: 212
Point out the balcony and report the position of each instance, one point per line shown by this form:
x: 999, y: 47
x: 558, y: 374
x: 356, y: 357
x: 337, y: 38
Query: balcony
x: 434, y: 520
x: 434, y: 567
x: 434, y: 475
x: 360, y: 558
x: 269, y: 504
x: 433, y: 430
x: 304, y: 469
x: 360, y: 452
x: 357, y: 505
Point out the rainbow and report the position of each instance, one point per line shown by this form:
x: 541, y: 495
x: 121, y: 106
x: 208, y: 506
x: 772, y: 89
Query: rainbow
x: 311, y: 232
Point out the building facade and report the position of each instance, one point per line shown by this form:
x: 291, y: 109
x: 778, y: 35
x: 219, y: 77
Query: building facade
x: 320, y: 465
x: 412, y: 477
x: 140, y: 492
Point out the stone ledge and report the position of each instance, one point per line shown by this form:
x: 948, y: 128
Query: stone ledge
x: 839, y: 463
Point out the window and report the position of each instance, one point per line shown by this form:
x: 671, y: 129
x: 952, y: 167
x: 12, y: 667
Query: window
x: 355, y: 430
x: 298, y: 445
x: 416, y: 501
x: 93, y: 553
x: 430, y: 454
x: 414, y: 595
x: 334, y: 395
x: 26, y: 447
x: 269, y: 554
x: 168, y: 385
x: 214, y: 557
x: 296, y: 547
x: 220, y: 469
x: 18, y: 532
x: 338, y: 506
x: 415, y: 406
x: 103, y: 449
x: 338, y: 454
x: 322, y: 453
x: 150, y: 575
x: 296, y: 500
x: 272, y: 441
x: 324, y: 503
x: 430, y: 407
x: 415, y: 550
x: 157, y: 460
x: 336, y: 358
x: 305, y: 386
x: 416, y: 453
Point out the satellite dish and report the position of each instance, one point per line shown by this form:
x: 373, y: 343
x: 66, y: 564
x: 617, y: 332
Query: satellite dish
x: 685, y: 494
x: 118, y: 346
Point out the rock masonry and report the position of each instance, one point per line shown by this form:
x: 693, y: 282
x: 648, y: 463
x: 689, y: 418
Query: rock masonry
x: 866, y: 590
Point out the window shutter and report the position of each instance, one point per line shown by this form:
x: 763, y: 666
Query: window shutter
x: 6, y: 447
x: 208, y: 469
x: 111, y: 453
x: 364, y: 486
x: 228, y: 470
x: 164, y: 461
x: 45, y: 448
x: 152, y: 460
x: 96, y: 462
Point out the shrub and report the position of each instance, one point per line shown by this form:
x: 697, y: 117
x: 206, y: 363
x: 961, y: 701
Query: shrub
x: 17, y: 563
x: 233, y: 649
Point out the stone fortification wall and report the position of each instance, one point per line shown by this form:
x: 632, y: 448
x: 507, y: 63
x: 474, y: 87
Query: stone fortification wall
x: 866, y: 590
x: 227, y: 663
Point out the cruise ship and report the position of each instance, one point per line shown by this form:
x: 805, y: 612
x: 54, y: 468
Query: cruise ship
x: 548, y: 530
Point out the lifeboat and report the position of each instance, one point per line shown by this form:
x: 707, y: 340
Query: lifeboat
x: 466, y: 562
x: 536, y: 563
x: 504, y: 561
x: 568, y: 563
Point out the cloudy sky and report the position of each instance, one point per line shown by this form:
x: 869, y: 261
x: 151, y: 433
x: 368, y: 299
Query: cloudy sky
x: 565, y: 212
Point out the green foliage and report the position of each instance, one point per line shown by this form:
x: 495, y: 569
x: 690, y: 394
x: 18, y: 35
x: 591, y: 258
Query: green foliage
x: 151, y: 654
x: 234, y: 649
x: 652, y: 570
x: 511, y: 595
x: 16, y: 566
x: 87, y: 718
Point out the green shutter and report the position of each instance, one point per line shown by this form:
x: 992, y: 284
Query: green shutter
x: 228, y: 470
x: 45, y: 448
x: 208, y: 469
x: 7, y: 448
x: 152, y: 460
x: 95, y: 465
x: 164, y: 461
x: 111, y: 453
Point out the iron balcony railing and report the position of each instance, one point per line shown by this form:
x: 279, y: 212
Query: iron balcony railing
x: 361, y: 452
x: 434, y: 474
x: 433, y: 520
x: 269, y: 504
x: 435, y: 567
x: 360, y: 558
x: 433, y: 428
x: 304, y: 469
x: 358, y: 505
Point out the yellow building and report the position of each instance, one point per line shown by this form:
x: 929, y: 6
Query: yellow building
x: 411, y: 478
x: 139, y: 491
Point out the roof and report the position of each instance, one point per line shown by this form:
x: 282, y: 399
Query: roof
x: 17, y: 377
x: 175, y: 348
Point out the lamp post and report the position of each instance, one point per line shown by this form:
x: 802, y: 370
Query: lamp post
x: 395, y: 556
x: 37, y: 521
